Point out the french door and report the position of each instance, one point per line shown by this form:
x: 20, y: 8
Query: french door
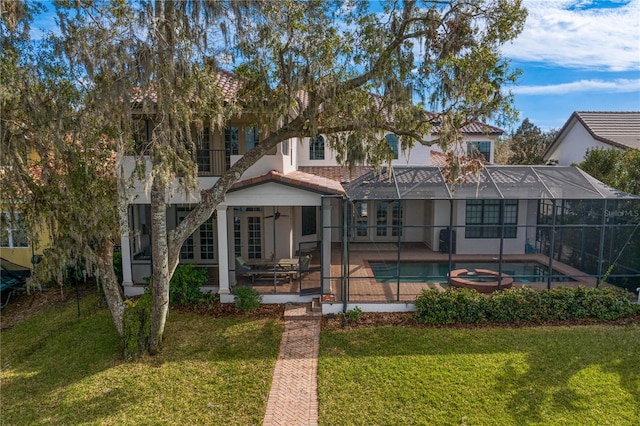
x: 200, y: 247
x: 248, y: 232
x: 378, y: 220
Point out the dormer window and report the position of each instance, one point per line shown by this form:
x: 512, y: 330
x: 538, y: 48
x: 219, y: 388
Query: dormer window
x: 392, y: 141
x: 316, y: 148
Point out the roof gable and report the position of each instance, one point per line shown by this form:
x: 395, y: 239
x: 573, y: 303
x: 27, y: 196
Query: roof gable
x: 619, y: 129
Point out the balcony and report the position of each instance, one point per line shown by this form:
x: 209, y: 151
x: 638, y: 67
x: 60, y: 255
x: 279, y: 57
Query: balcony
x: 212, y: 162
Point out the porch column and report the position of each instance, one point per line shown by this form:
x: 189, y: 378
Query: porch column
x: 125, y: 248
x: 326, y: 244
x: 223, y: 251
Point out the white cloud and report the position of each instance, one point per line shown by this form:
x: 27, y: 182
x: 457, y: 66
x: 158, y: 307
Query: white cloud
x: 613, y: 86
x: 580, y: 34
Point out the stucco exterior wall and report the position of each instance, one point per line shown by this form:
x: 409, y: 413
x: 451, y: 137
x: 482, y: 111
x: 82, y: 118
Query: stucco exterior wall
x: 574, y: 145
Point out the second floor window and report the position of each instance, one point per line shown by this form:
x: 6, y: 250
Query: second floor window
x: 203, y: 151
x: 484, y: 148
x: 316, y: 148
x: 231, y: 140
x: 392, y: 141
x: 251, y: 138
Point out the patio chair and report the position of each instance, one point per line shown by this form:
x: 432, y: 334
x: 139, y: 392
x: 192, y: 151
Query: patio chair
x: 242, y: 269
x: 304, y: 265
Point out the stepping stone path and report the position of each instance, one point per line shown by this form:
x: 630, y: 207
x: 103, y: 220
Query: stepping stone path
x: 293, y: 399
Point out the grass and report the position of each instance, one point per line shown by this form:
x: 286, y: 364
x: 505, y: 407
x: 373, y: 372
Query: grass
x: 585, y: 375
x: 58, y: 369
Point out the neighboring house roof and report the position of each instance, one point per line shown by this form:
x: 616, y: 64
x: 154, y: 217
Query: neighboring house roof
x: 297, y: 179
x: 619, y: 129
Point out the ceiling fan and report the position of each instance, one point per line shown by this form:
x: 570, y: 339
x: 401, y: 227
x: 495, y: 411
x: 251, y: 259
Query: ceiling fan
x: 276, y: 215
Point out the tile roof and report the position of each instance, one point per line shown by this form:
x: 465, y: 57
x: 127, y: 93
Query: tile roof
x: 620, y: 129
x: 227, y: 82
x: 230, y: 85
x: 438, y: 159
x: 297, y: 179
x: 475, y: 128
x: 336, y: 173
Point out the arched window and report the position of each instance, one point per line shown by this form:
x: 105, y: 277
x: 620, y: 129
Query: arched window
x: 392, y: 140
x: 316, y: 148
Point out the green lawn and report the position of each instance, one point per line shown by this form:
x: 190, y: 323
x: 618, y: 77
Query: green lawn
x: 57, y: 369
x: 493, y: 376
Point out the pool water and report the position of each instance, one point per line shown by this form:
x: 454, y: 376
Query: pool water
x: 431, y: 272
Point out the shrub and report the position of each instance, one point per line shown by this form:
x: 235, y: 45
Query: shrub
x: 525, y: 305
x: 246, y: 298
x: 184, y: 287
x: 117, y: 266
x: 353, y: 314
x: 451, y: 306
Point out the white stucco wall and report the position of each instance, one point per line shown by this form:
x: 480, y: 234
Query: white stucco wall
x: 575, y: 142
x: 441, y: 220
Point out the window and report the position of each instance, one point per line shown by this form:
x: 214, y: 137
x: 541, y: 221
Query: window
x: 309, y: 220
x: 396, y: 219
x: 362, y: 219
x: 392, y: 141
x: 316, y: 148
x: 200, y: 246
x: 13, y: 230
x: 485, y: 213
x: 251, y: 138
x: 231, y: 140
x: 142, y: 136
x: 483, y: 148
x: 203, y: 151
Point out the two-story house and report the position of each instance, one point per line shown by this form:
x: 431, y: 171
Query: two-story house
x: 298, y: 225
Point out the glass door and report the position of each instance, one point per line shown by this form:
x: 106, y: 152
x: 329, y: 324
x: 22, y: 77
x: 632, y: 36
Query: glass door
x: 247, y: 232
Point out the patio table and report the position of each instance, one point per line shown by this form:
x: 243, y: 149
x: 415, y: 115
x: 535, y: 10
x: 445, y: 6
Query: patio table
x: 283, y: 263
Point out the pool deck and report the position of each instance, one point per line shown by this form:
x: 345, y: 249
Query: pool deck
x: 364, y: 288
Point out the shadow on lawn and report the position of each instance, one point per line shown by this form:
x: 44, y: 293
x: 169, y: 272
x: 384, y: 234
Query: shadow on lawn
x: 547, y: 382
x: 61, y: 375
x: 553, y: 356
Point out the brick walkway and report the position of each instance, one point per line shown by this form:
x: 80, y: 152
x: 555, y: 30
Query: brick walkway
x: 293, y: 399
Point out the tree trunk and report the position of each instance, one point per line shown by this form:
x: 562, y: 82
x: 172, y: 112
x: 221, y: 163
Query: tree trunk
x: 111, y: 287
x: 160, y: 264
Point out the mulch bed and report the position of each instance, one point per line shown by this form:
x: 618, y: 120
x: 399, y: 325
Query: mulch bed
x: 25, y: 305
x: 405, y: 319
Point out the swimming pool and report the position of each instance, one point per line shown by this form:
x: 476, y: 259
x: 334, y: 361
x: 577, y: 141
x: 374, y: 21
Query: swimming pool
x: 431, y: 272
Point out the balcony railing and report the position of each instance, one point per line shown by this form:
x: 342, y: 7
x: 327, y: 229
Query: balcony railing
x: 212, y: 162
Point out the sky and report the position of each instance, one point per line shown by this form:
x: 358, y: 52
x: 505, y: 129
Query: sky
x: 575, y: 55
